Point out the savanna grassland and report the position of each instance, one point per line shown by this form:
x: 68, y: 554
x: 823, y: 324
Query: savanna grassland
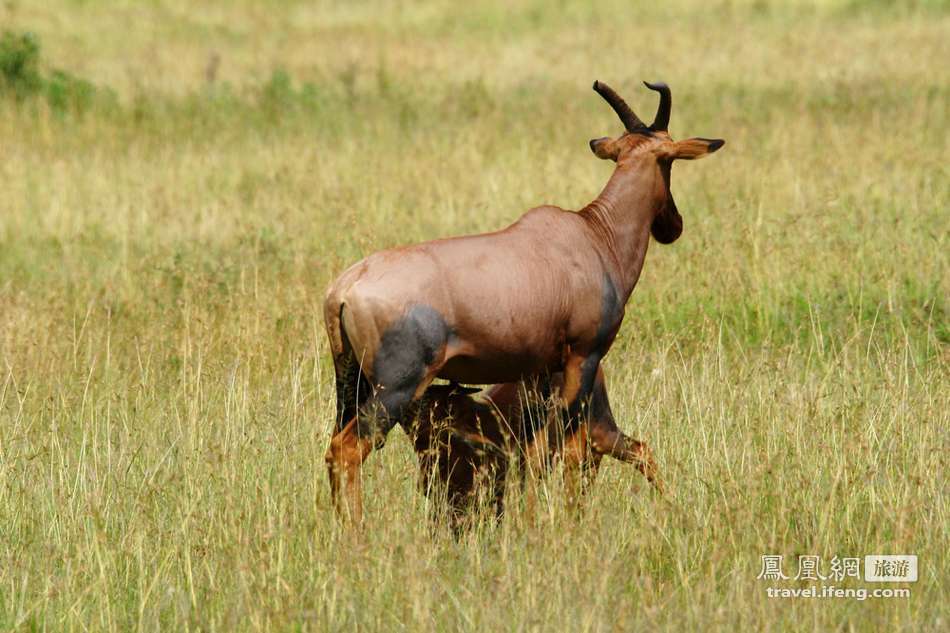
x: 179, y: 182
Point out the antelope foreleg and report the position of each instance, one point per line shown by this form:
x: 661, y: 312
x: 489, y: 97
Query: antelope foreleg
x: 614, y: 443
x: 580, y: 373
x: 640, y: 455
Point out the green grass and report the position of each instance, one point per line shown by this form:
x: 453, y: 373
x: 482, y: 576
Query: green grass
x: 165, y: 385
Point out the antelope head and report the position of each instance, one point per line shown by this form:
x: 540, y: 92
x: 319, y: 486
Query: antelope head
x: 651, y: 147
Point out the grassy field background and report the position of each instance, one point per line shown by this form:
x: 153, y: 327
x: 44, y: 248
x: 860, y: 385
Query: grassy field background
x: 168, y: 229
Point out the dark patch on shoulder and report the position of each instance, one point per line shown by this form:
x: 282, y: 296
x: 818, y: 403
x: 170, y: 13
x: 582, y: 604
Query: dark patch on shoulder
x: 611, y: 313
x: 408, y: 347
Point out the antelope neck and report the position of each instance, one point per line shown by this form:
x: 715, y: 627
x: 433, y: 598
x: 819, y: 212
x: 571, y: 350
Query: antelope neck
x: 620, y: 219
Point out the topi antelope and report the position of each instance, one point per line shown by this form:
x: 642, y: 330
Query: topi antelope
x: 547, y: 294
x: 465, y: 443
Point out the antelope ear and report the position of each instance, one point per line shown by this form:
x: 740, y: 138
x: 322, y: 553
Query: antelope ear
x: 605, y: 148
x: 691, y: 148
x: 668, y: 224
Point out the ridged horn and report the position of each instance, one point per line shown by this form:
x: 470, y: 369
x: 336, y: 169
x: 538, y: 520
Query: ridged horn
x: 629, y: 119
x: 661, y: 121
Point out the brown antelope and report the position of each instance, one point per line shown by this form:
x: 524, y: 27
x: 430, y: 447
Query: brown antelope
x: 465, y: 443
x: 547, y: 294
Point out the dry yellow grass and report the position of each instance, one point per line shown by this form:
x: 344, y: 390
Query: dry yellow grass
x: 165, y: 389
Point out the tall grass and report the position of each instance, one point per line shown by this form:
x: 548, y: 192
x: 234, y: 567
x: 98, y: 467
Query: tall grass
x: 165, y: 387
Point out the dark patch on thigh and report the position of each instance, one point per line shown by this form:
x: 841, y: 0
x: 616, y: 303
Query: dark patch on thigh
x: 533, y: 413
x: 407, y: 349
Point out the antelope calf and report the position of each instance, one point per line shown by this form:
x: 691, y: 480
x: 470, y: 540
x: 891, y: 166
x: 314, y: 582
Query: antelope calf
x: 545, y: 295
x: 466, y: 442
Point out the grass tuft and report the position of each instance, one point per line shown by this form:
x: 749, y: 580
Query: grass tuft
x: 176, y: 197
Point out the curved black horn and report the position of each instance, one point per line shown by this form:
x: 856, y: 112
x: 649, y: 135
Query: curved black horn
x: 630, y: 120
x: 662, y: 119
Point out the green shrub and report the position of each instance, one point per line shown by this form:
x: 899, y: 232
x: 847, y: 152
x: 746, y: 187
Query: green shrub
x: 65, y: 91
x: 19, y: 65
x: 21, y: 77
x: 280, y: 94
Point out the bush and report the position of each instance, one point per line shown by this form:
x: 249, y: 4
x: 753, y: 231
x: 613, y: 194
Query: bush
x: 19, y: 65
x: 64, y: 91
x: 21, y: 78
x: 279, y: 94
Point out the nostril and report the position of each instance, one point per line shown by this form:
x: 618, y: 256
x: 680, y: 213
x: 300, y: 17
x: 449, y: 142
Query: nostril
x: 594, y: 142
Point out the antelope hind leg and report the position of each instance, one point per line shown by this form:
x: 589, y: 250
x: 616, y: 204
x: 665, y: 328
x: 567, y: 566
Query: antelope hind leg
x: 344, y: 458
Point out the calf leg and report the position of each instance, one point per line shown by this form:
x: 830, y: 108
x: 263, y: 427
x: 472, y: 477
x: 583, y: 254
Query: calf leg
x: 535, y: 461
x: 534, y: 394
x: 477, y: 477
x: 498, y: 484
x: 581, y: 465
